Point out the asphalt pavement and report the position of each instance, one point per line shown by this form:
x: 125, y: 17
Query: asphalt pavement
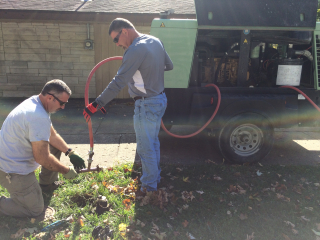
x: 114, y: 138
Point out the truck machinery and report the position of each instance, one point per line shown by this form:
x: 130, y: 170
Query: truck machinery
x: 248, y: 48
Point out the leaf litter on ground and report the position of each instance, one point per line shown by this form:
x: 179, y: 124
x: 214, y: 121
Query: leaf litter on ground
x: 242, y: 194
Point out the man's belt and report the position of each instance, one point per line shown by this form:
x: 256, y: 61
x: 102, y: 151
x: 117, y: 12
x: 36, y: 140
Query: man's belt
x: 139, y: 97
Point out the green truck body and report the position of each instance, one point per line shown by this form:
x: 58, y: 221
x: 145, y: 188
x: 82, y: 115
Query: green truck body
x: 248, y: 48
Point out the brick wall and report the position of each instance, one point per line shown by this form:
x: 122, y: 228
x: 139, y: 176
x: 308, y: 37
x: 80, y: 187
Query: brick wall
x: 33, y: 53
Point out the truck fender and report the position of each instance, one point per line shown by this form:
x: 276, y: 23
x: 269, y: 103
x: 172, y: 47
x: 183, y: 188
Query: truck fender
x: 259, y: 106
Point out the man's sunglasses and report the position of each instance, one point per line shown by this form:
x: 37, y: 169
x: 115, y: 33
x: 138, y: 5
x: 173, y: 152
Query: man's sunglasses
x: 116, y: 39
x: 61, y: 103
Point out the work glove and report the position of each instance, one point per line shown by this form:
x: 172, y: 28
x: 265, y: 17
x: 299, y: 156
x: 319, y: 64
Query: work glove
x: 71, y: 174
x: 91, y: 109
x: 76, y: 160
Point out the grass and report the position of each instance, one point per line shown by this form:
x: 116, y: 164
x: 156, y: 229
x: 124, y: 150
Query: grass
x: 204, y: 201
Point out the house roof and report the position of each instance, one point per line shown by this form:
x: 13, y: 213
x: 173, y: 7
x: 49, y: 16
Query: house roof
x: 102, y: 6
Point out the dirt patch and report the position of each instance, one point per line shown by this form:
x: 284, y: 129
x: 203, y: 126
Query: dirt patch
x: 83, y: 200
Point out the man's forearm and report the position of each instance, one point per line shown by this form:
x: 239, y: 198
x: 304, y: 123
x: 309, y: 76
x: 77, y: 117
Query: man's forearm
x: 53, y: 164
x: 43, y: 156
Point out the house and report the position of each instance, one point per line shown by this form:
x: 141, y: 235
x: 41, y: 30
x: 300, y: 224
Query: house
x: 42, y: 40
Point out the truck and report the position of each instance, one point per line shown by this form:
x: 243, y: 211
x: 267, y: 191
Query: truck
x: 250, y: 49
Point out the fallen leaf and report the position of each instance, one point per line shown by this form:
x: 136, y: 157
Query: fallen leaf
x: 259, y: 173
x: 200, y: 192
x: 126, y: 202
x: 297, y: 189
x: 281, y: 187
x: 281, y: 197
x: 32, y: 220
x: 186, y: 196
x: 243, y: 216
x: 155, y: 231
x: 169, y: 225
x: 186, y: 206
x: 136, y: 235
x: 155, y: 227
x: 317, y: 184
x: 189, y: 235
x: 185, y: 223
x: 210, y: 161
x: 185, y: 179
x: 241, y: 191
x: 40, y: 235
x: 305, y: 219
x: 289, y: 224
x: 122, y: 227
x: 232, y: 188
x: 250, y: 237
x: 295, y: 231
x: 254, y: 197
x: 285, y: 237
x: 217, y: 178
x: 316, y: 233
x: 179, y: 169
x: 81, y: 222
x: 237, y: 174
x: 18, y: 234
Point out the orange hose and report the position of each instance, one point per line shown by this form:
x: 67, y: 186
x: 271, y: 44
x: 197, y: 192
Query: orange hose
x: 298, y: 90
x: 205, y: 125
x: 86, y: 93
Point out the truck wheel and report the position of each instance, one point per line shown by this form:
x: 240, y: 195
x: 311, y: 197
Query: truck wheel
x: 246, y: 138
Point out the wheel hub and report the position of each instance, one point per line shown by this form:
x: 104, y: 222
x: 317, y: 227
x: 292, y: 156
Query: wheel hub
x: 246, y: 139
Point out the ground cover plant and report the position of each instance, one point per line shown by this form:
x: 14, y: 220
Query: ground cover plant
x: 207, y: 201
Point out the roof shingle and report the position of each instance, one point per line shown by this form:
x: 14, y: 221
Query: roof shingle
x: 103, y: 6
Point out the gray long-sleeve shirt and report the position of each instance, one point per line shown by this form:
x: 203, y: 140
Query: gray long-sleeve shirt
x: 143, y: 66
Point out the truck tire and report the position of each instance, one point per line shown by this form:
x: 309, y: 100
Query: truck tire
x: 246, y: 138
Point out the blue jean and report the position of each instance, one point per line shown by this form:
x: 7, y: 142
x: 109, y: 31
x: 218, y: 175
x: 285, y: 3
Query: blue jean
x: 147, y: 120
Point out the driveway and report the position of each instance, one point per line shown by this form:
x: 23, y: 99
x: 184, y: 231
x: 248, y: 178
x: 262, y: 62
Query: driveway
x: 114, y: 138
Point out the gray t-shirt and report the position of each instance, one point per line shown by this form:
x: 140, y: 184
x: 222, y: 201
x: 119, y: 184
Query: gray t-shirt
x: 143, y: 66
x: 28, y: 122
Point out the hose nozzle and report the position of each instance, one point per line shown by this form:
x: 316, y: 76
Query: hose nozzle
x: 90, y: 159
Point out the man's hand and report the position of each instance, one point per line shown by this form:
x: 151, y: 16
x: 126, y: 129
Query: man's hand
x: 91, y: 109
x: 76, y: 160
x: 71, y: 174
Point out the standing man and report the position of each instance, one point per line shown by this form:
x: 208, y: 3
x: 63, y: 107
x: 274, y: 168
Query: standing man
x: 143, y: 66
x: 27, y: 140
